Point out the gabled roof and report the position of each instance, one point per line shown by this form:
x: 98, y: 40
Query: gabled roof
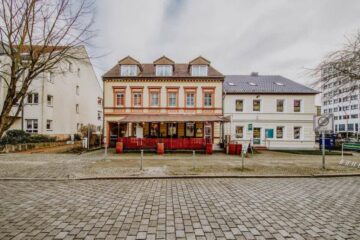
x: 199, y: 61
x: 243, y: 84
x: 129, y: 61
x: 164, y: 61
x: 148, y: 70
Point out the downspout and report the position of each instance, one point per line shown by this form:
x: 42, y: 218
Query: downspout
x: 223, y: 113
x: 103, y: 112
x: 42, y: 103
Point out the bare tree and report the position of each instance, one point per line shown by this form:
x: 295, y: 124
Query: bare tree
x: 340, y: 72
x: 344, y: 63
x: 36, y: 36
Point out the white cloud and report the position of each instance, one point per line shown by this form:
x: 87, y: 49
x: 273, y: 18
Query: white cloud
x: 272, y: 37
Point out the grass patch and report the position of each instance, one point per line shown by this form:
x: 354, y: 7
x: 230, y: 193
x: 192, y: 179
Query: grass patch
x: 239, y: 169
x: 311, y: 152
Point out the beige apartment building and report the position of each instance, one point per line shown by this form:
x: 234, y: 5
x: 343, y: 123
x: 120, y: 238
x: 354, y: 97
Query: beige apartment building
x: 178, y: 104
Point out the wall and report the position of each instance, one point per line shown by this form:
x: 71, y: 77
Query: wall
x: 109, y: 97
x: 62, y: 86
x: 268, y: 118
x: 114, y: 115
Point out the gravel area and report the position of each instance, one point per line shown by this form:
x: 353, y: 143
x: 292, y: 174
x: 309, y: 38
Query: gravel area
x: 94, y: 164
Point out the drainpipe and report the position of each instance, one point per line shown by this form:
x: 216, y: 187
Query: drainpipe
x: 42, y: 103
x: 223, y: 107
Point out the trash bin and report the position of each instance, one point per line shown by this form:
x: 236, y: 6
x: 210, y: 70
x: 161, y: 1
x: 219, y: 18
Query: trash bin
x: 160, y: 148
x: 238, y: 149
x: 232, y: 149
x: 119, y: 147
x: 209, y: 148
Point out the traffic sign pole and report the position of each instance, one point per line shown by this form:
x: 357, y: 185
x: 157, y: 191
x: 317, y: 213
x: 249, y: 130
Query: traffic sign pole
x: 323, y: 150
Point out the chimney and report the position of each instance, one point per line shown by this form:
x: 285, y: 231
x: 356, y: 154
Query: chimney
x: 254, y: 74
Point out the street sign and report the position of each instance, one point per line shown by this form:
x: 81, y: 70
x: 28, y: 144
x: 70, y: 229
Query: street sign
x: 324, y: 123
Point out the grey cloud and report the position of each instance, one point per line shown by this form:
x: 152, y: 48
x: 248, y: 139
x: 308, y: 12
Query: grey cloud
x: 239, y: 36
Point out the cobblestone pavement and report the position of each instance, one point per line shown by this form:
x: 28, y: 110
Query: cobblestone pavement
x: 293, y: 208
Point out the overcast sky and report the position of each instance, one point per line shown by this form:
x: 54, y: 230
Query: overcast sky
x: 282, y: 37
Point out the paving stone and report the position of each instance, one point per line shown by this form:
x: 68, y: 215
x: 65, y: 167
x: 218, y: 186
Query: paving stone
x: 181, y: 209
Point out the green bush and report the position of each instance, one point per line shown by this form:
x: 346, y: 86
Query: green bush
x: 77, y: 137
x: 19, y: 136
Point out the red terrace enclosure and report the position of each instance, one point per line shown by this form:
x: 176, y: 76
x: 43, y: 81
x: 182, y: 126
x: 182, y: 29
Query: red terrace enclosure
x: 169, y: 143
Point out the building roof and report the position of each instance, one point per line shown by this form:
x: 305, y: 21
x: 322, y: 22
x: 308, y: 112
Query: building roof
x: 255, y: 83
x: 164, y: 61
x: 128, y: 61
x: 200, y: 61
x: 181, y: 70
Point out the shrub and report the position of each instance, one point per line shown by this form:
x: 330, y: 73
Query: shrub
x: 77, y: 137
x: 19, y: 136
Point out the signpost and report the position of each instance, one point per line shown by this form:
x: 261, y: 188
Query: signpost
x: 322, y: 125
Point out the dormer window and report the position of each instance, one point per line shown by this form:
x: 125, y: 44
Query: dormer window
x: 199, y: 70
x: 129, y: 70
x: 163, y: 70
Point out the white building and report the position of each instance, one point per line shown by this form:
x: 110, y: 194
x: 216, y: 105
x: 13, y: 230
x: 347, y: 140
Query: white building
x: 61, y: 101
x: 341, y: 98
x: 269, y: 111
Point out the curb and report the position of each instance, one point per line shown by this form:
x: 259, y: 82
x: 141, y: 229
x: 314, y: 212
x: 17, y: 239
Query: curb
x: 182, y: 177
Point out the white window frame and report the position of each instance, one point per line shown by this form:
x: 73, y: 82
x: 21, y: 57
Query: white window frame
x: 152, y: 99
x: 283, y: 132
x: 283, y: 100
x: 301, y: 105
x: 170, y: 99
x: 199, y: 70
x: 164, y: 70
x: 71, y: 67
x: 259, y: 105
x: 128, y: 70
x: 33, y: 123
x: 51, y: 102
x: 50, y: 77
x: 31, y: 98
x: 137, y: 99
x: 301, y: 133
x: 206, y: 100
x: 243, y: 105
x: 51, y: 125
x: 117, y: 94
x: 190, y: 101
x: 243, y: 131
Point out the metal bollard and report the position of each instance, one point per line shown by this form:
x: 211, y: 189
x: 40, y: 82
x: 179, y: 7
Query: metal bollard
x: 105, y: 152
x: 193, y: 157
x: 242, y: 160
x: 141, y: 160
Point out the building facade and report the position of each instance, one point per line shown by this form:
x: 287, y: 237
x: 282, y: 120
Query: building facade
x: 269, y: 112
x: 179, y: 104
x: 60, y: 102
x: 341, y: 97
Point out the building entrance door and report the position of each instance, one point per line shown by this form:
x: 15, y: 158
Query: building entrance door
x: 257, y: 136
x: 208, y: 133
